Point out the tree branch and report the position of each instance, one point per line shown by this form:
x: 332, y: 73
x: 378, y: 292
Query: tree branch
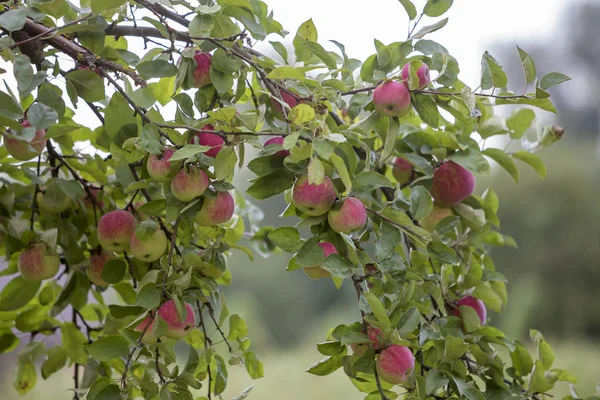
x: 206, y: 343
x: 80, y: 53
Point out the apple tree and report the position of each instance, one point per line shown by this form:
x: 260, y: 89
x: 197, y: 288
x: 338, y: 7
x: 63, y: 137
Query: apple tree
x: 117, y: 229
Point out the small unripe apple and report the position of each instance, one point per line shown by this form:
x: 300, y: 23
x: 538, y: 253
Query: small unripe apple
x: 189, y: 183
x: 213, y: 140
x: 160, y: 168
x: 395, y: 364
x: 150, y: 249
x: 38, y: 263
x: 115, y: 229
x: 51, y: 207
x: 317, y: 272
x: 392, y: 99
x: 97, y: 263
x: 216, y: 209
x: 475, y: 303
x: 22, y: 150
x: 202, y: 69
x: 452, y: 184
x: 312, y: 199
x: 422, y: 73
x: 437, y: 214
x: 278, y: 140
x: 347, y: 216
x: 178, y: 327
x: 402, y: 170
x: 288, y: 98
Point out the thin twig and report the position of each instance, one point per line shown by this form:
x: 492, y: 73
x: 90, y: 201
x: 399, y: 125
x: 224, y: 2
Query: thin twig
x: 35, y: 192
x: 170, y: 258
x: 138, y: 345
x: 161, y: 378
x: 378, y: 382
x: 212, y: 316
x: 206, y: 343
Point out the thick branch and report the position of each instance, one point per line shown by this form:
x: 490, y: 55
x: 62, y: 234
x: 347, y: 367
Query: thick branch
x: 79, y: 53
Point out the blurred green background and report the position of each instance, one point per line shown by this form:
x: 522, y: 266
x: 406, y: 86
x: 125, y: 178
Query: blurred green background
x: 553, y: 275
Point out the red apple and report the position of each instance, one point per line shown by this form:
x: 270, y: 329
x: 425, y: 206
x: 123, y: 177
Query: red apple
x: 452, y: 184
x: 178, y: 327
x: 473, y: 302
x: 347, y: 216
x: 392, y: 99
x: 202, y: 69
x: 189, y: 183
x: 38, y: 263
x: 115, y: 229
x: 395, y: 364
x: 422, y: 73
x: 160, y: 168
x: 216, y: 209
x: 312, y: 199
x: 402, y: 170
x: 209, y: 139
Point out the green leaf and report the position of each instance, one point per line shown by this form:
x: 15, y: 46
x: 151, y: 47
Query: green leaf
x: 521, y: 360
x: 13, y: 20
x: 454, y: 348
x: 538, y: 383
x: 153, y: 208
x: 333, y: 348
x: 504, y: 160
x: 74, y: 343
x: 9, y: 108
x: 114, y: 271
x: 488, y: 296
x: 421, y: 203
x: 370, y: 180
x: 17, y: 293
x: 409, y: 321
x: 443, y: 252
x: 286, y: 238
x: 237, y: 328
x: 427, y: 109
x: 435, y: 8
x: 552, y: 79
x: 434, y: 381
x: 121, y: 123
x: 225, y: 163
x: 429, y: 29
x: 301, y: 114
x: 339, y: 266
x: 88, y: 84
x: 528, y: 65
x: 187, y: 151
x: 544, y: 104
x: 223, y: 26
x: 41, y: 116
x: 533, y: 161
x: 492, y: 74
x: 24, y: 377
x: 410, y: 9
x: 8, y: 341
x: 98, y: 6
x: 148, y: 296
x: 545, y: 354
x: 156, y: 69
x: 270, y: 185
x: 340, y: 167
x: 286, y: 72
x: 472, y: 160
x: 519, y: 121
x: 201, y: 25
x: 320, y: 52
x: 253, y: 365
x: 377, y: 308
x: 109, y: 347
x: 326, y: 366
x: 54, y: 362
